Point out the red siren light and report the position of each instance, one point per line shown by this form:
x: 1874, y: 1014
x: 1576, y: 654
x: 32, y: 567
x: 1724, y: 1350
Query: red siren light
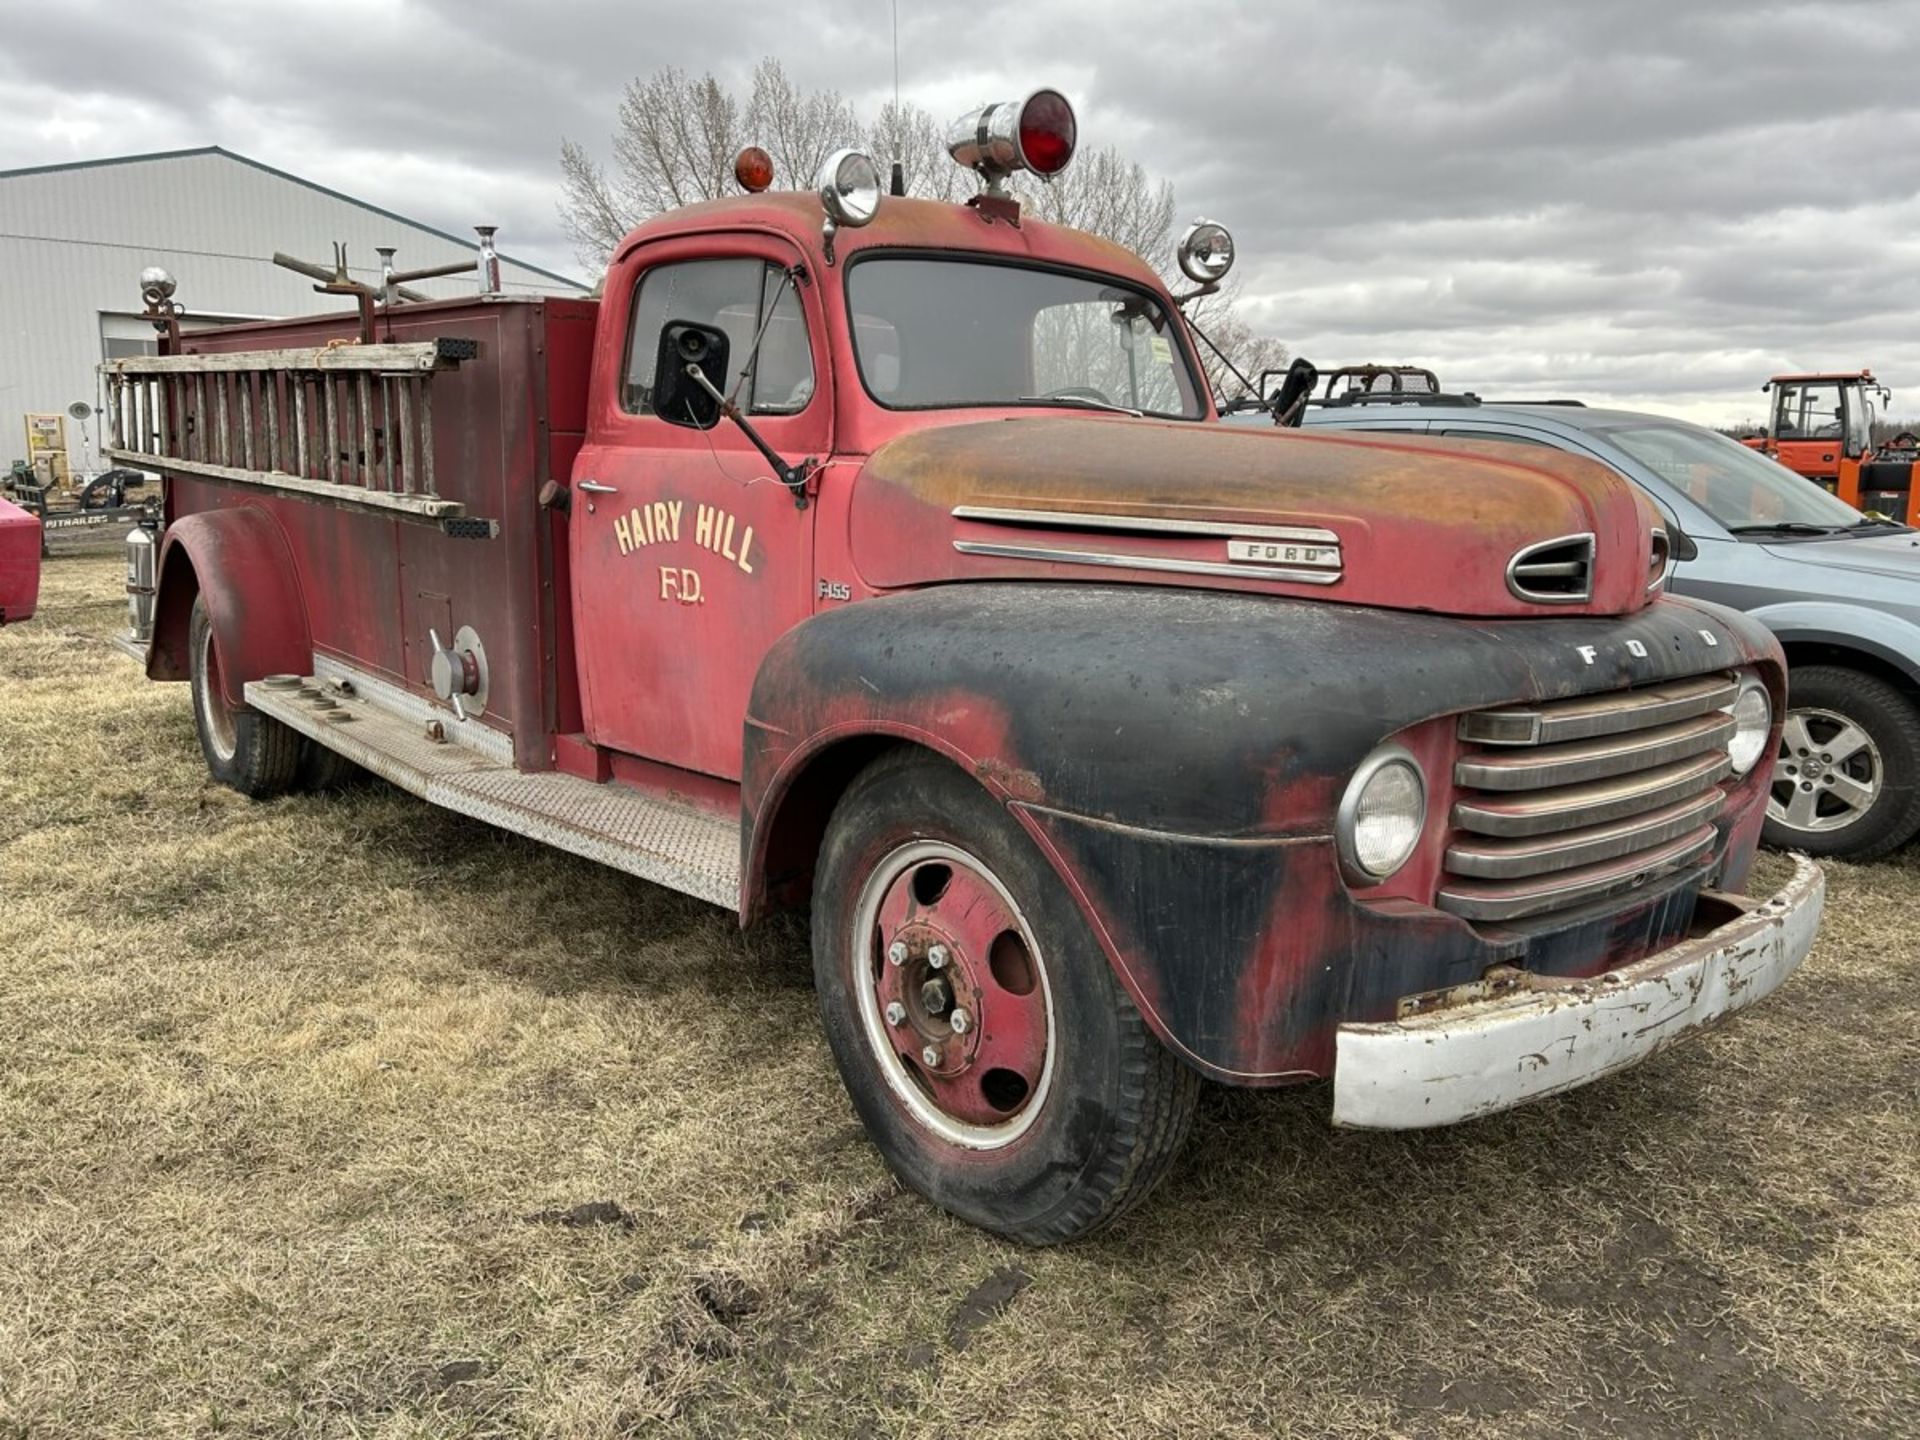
x: 1046, y: 132
x: 753, y: 168
x: 1036, y: 134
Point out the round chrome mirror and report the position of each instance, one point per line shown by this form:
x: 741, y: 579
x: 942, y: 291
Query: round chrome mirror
x: 1206, y: 252
x: 156, y: 283
x: 849, y: 187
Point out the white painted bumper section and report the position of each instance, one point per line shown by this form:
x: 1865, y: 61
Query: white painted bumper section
x: 1544, y: 1034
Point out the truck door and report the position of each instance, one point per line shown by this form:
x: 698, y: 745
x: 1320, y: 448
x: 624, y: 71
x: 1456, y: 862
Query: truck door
x: 689, y: 558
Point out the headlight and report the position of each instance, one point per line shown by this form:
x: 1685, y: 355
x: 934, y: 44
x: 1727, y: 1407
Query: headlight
x: 1752, y: 718
x: 1381, y: 815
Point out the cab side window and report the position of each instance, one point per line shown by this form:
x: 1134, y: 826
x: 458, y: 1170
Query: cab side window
x: 744, y: 298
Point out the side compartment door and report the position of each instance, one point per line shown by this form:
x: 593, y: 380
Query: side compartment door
x: 689, y: 558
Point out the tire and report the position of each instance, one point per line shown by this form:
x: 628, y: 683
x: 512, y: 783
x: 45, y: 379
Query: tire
x: 1052, y: 1109
x: 324, y: 769
x: 245, y: 750
x: 1847, y: 780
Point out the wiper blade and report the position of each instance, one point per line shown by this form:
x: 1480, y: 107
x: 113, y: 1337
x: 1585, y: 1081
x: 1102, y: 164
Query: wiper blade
x: 1784, y: 527
x: 1087, y: 400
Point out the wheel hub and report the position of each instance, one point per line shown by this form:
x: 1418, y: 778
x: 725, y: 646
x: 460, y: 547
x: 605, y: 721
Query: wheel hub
x: 954, y: 995
x: 928, y: 998
x: 1828, y: 774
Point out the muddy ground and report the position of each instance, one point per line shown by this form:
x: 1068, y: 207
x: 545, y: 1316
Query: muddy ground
x: 337, y: 1116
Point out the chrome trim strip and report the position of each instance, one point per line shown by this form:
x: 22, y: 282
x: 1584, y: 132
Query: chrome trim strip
x: 1232, y: 571
x: 1574, y: 806
x: 1612, y: 713
x: 1594, y: 759
x: 1506, y: 901
x: 1568, y: 850
x: 1519, y: 560
x: 1141, y: 524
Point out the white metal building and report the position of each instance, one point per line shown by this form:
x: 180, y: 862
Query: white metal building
x: 74, y: 238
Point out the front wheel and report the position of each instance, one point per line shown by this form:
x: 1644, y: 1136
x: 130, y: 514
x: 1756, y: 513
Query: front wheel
x: 988, y: 1047
x: 1847, y: 780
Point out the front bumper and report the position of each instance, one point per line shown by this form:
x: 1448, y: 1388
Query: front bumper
x: 1519, y: 1036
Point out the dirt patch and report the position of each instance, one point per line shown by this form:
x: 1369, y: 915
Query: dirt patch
x: 985, y: 1303
x: 593, y: 1212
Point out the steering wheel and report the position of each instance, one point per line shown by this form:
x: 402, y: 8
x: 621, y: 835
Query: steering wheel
x: 1085, y: 392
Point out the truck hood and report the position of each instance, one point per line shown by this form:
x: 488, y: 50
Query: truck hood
x: 1895, y: 554
x: 1401, y: 522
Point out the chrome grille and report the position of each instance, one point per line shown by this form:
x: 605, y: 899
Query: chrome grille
x: 1570, y: 801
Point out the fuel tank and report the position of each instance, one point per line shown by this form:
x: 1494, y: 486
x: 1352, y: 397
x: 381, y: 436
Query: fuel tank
x: 1399, y: 523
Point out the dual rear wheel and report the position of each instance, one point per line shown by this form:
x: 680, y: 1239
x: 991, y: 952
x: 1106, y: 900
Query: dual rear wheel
x: 252, y: 753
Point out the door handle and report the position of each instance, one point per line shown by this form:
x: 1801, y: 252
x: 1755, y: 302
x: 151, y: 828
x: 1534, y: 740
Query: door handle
x: 594, y: 487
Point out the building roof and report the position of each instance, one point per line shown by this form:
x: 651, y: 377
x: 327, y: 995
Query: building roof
x: 282, y: 175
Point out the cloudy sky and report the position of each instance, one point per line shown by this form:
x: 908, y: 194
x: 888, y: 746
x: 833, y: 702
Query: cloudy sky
x: 1657, y: 204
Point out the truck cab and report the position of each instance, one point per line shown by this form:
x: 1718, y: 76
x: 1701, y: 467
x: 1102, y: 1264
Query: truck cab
x: 879, y: 557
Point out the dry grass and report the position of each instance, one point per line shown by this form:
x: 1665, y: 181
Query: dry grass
x: 298, y: 1102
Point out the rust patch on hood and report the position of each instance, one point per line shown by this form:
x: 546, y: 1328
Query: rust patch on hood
x: 1421, y: 524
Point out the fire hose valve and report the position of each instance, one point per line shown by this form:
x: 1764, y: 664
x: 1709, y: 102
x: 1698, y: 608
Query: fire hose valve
x: 459, y: 672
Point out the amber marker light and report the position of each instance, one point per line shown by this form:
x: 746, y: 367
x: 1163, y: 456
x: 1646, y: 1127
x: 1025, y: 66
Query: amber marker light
x: 753, y: 168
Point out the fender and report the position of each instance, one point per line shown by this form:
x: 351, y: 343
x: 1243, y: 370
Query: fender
x: 1178, y: 756
x: 1880, y: 633
x: 240, y: 561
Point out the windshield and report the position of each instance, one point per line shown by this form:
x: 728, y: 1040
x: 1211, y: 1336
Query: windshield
x: 933, y: 333
x: 1737, y: 486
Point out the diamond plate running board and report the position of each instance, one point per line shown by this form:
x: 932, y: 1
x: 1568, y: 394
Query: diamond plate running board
x: 658, y: 840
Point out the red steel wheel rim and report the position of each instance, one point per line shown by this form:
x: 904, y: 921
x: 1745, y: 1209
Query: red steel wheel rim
x: 953, y: 994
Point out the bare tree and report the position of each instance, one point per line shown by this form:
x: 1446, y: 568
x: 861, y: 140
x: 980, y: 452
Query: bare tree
x: 1217, y: 320
x: 675, y: 145
x: 799, y: 129
x: 1108, y: 195
x: 678, y: 137
x: 909, y: 135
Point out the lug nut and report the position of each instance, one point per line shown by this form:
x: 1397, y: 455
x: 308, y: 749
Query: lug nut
x: 930, y: 1057
x: 896, y: 1013
x: 959, y: 1020
x: 897, y: 953
x: 937, y: 957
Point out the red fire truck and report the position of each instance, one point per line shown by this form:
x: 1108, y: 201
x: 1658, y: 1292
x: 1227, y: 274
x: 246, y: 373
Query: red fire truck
x: 883, y: 556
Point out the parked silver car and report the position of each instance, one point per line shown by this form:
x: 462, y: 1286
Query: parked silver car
x: 1840, y: 590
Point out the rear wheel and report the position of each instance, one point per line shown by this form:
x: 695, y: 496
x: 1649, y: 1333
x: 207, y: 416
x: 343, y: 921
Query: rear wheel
x: 1847, y: 780
x: 246, y: 750
x: 992, y: 1054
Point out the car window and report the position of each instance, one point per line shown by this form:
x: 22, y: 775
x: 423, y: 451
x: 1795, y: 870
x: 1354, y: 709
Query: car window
x: 738, y: 297
x: 1505, y: 435
x: 1735, y: 485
